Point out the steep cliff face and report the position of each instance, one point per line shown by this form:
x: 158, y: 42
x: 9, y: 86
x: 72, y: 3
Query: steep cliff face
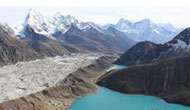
x: 169, y: 80
x: 62, y: 95
x: 13, y: 50
x: 42, y: 44
x: 146, y: 52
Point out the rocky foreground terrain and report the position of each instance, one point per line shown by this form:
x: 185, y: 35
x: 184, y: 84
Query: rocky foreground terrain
x: 61, y: 96
x: 25, y: 78
x: 168, y: 79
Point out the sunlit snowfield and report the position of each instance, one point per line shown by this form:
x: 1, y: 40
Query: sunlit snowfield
x: 28, y: 77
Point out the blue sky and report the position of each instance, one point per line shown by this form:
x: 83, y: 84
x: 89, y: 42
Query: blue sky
x: 177, y: 14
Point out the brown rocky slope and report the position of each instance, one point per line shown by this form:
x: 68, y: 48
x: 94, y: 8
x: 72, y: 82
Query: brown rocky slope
x: 13, y: 50
x: 62, y: 95
x: 168, y: 79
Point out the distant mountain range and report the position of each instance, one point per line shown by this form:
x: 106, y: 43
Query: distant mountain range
x: 39, y: 37
x: 64, y: 34
x: 79, y: 36
x: 60, y: 24
x: 146, y: 30
x: 146, y: 52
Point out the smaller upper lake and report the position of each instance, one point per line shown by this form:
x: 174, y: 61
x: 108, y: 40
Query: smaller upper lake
x: 116, y: 67
x: 107, y: 99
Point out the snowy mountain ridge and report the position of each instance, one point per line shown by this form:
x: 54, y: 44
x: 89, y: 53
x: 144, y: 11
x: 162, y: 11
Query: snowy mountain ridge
x: 146, y: 30
x: 59, y: 23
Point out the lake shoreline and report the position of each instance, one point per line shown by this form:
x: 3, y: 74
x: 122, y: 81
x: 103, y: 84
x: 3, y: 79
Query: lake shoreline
x: 61, y: 96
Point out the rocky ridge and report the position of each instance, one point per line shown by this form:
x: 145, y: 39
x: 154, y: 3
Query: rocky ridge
x: 146, y: 52
x: 169, y: 79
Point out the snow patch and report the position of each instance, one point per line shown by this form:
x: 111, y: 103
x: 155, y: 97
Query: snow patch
x: 180, y: 45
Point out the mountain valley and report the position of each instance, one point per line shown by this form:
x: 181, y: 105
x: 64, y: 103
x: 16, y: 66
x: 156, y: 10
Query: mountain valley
x: 48, y: 64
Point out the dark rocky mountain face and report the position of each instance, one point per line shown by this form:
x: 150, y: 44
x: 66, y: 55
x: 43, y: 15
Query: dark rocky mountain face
x: 97, y: 41
x: 142, y: 52
x: 13, y: 50
x: 145, y: 52
x: 46, y: 48
x: 183, y: 36
x: 168, y: 79
x: 43, y: 45
x: 124, y: 42
x: 82, y: 40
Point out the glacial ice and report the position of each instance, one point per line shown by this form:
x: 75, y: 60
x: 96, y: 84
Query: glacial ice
x: 25, y: 78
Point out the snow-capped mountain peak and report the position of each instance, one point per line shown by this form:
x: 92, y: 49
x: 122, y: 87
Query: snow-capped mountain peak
x: 144, y: 24
x: 59, y: 24
x: 65, y: 19
x: 37, y: 22
x: 146, y: 30
x: 124, y: 25
x: 62, y: 23
x: 88, y: 26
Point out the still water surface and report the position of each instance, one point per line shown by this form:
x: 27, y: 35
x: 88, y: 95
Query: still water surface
x: 107, y: 99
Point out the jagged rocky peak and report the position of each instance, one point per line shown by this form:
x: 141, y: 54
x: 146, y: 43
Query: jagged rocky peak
x: 36, y: 22
x: 146, y: 30
x: 184, y: 36
x: 5, y: 28
x: 145, y: 24
x: 124, y: 25
x: 122, y: 20
x: 62, y: 23
x: 65, y: 19
x: 146, y: 21
x: 90, y: 27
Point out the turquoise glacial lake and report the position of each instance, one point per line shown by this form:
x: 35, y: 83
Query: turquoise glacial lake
x: 107, y: 99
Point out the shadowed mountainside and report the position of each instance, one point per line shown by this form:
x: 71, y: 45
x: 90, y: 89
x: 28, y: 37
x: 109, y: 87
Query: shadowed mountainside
x: 146, y: 52
x: 13, y: 50
x: 168, y: 79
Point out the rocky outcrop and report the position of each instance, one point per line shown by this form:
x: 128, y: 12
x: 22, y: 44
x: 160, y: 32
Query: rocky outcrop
x: 146, y: 52
x: 62, y: 95
x: 13, y: 50
x: 168, y: 79
x: 4, y: 28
